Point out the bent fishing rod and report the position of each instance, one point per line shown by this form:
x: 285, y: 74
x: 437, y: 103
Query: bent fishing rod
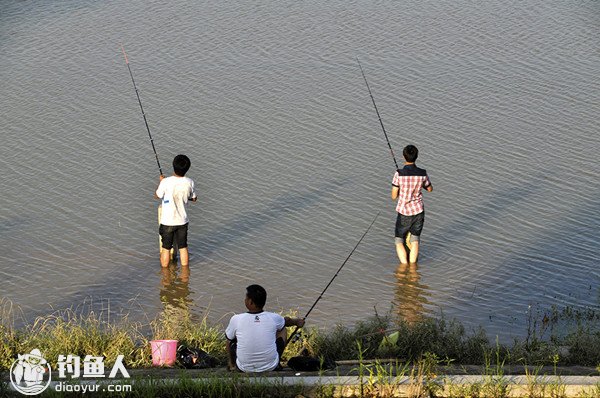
x: 336, y: 274
x: 376, y: 110
x: 142, y: 108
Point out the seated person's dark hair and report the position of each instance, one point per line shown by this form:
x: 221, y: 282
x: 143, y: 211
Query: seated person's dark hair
x: 411, y: 153
x: 257, y: 294
x: 181, y: 164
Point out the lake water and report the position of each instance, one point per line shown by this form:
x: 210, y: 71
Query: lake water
x: 289, y: 159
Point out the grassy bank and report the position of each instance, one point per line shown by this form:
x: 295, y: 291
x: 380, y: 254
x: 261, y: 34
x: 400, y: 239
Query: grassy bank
x: 438, y: 339
x: 375, y: 379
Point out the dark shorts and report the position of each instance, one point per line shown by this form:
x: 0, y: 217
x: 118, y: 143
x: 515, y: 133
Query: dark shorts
x: 412, y: 224
x: 173, y: 234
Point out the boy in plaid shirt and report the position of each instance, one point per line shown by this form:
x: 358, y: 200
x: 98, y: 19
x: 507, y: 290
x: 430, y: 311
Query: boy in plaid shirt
x: 407, y: 189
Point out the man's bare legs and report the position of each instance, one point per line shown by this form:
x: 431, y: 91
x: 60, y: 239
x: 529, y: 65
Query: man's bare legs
x: 402, y: 255
x: 165, y: 257
x: 401, y: 252
x: 184, y: 256
x: 231, y: 355
x: 414, y: 252
x: 185, y: 273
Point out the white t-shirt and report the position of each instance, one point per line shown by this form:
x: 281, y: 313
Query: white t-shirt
x: 255, y: 333
x: 175, y: 192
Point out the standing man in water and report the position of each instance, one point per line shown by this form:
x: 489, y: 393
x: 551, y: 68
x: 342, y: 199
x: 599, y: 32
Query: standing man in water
x: 407, y: 189
x: 175, y: 192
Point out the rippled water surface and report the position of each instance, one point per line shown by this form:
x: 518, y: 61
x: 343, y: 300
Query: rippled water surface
x: 289, y: 159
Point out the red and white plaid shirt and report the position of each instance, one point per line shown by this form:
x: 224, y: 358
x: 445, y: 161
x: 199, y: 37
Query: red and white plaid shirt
x: 410, y: 180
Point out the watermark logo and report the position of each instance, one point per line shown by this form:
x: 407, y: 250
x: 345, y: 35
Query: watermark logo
x: 30, y: 374
x: 92, y: 367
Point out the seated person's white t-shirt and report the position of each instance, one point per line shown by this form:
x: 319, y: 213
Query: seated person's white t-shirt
x: 255, y: 334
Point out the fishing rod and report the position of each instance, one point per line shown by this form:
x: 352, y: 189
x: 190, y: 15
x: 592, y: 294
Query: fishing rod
x: 142, y: 108
x: 336, y: 274
x: 376, y: 110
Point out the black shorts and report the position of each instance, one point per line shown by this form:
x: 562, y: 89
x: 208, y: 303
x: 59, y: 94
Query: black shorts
x: 173, y: 234
x: 412, y: 224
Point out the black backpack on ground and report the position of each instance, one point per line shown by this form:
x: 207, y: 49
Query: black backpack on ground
x: 195, y: 358
x: 306, y: 363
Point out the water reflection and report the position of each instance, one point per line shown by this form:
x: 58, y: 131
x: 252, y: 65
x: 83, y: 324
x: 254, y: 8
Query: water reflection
x: 410, y: 296
x: 175, y: 291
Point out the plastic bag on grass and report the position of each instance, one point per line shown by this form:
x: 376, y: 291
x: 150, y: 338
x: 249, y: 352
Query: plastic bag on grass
x: 195, y: 358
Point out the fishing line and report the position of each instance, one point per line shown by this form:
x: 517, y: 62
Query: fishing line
x: 142, y: 109
x: 376, y: 110
x: 336, y: 274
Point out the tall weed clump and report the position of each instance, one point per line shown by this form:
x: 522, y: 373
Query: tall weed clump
x: 67, y: 332
x: 342, y: 342
x: 81, y: 333
x: 9, y: 336
x: 178, y: 323
x: 444, y: 339
x: 8, y: 347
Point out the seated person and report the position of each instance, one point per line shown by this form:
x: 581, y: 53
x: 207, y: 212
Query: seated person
x: 256, y: 339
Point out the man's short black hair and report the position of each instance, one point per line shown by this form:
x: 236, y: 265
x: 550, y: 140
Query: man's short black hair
x: 257, y: 294
x: 181, y: 164
x: 411, y: 153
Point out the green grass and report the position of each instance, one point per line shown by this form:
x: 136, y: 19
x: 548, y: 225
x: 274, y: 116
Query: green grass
x: 179, y: 324
x: 236, y: 386
x: 68, y: 332
x: 418, y: 351
x: 88, y: 333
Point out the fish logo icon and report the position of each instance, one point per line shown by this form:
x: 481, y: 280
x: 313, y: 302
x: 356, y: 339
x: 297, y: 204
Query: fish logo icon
x: 30, y: 374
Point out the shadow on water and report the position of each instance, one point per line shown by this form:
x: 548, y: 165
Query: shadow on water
x: 240, y: 227
x: 471, y: 221
x: 410, y: 296
x: 13, y: 223
x: 553, y: 269
x: 130, y: 279
x: 560, y: 259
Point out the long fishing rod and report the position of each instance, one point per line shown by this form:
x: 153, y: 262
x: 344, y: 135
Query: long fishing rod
x: 376, y: 110
x: 336, y: 274
x: 142, y: 108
